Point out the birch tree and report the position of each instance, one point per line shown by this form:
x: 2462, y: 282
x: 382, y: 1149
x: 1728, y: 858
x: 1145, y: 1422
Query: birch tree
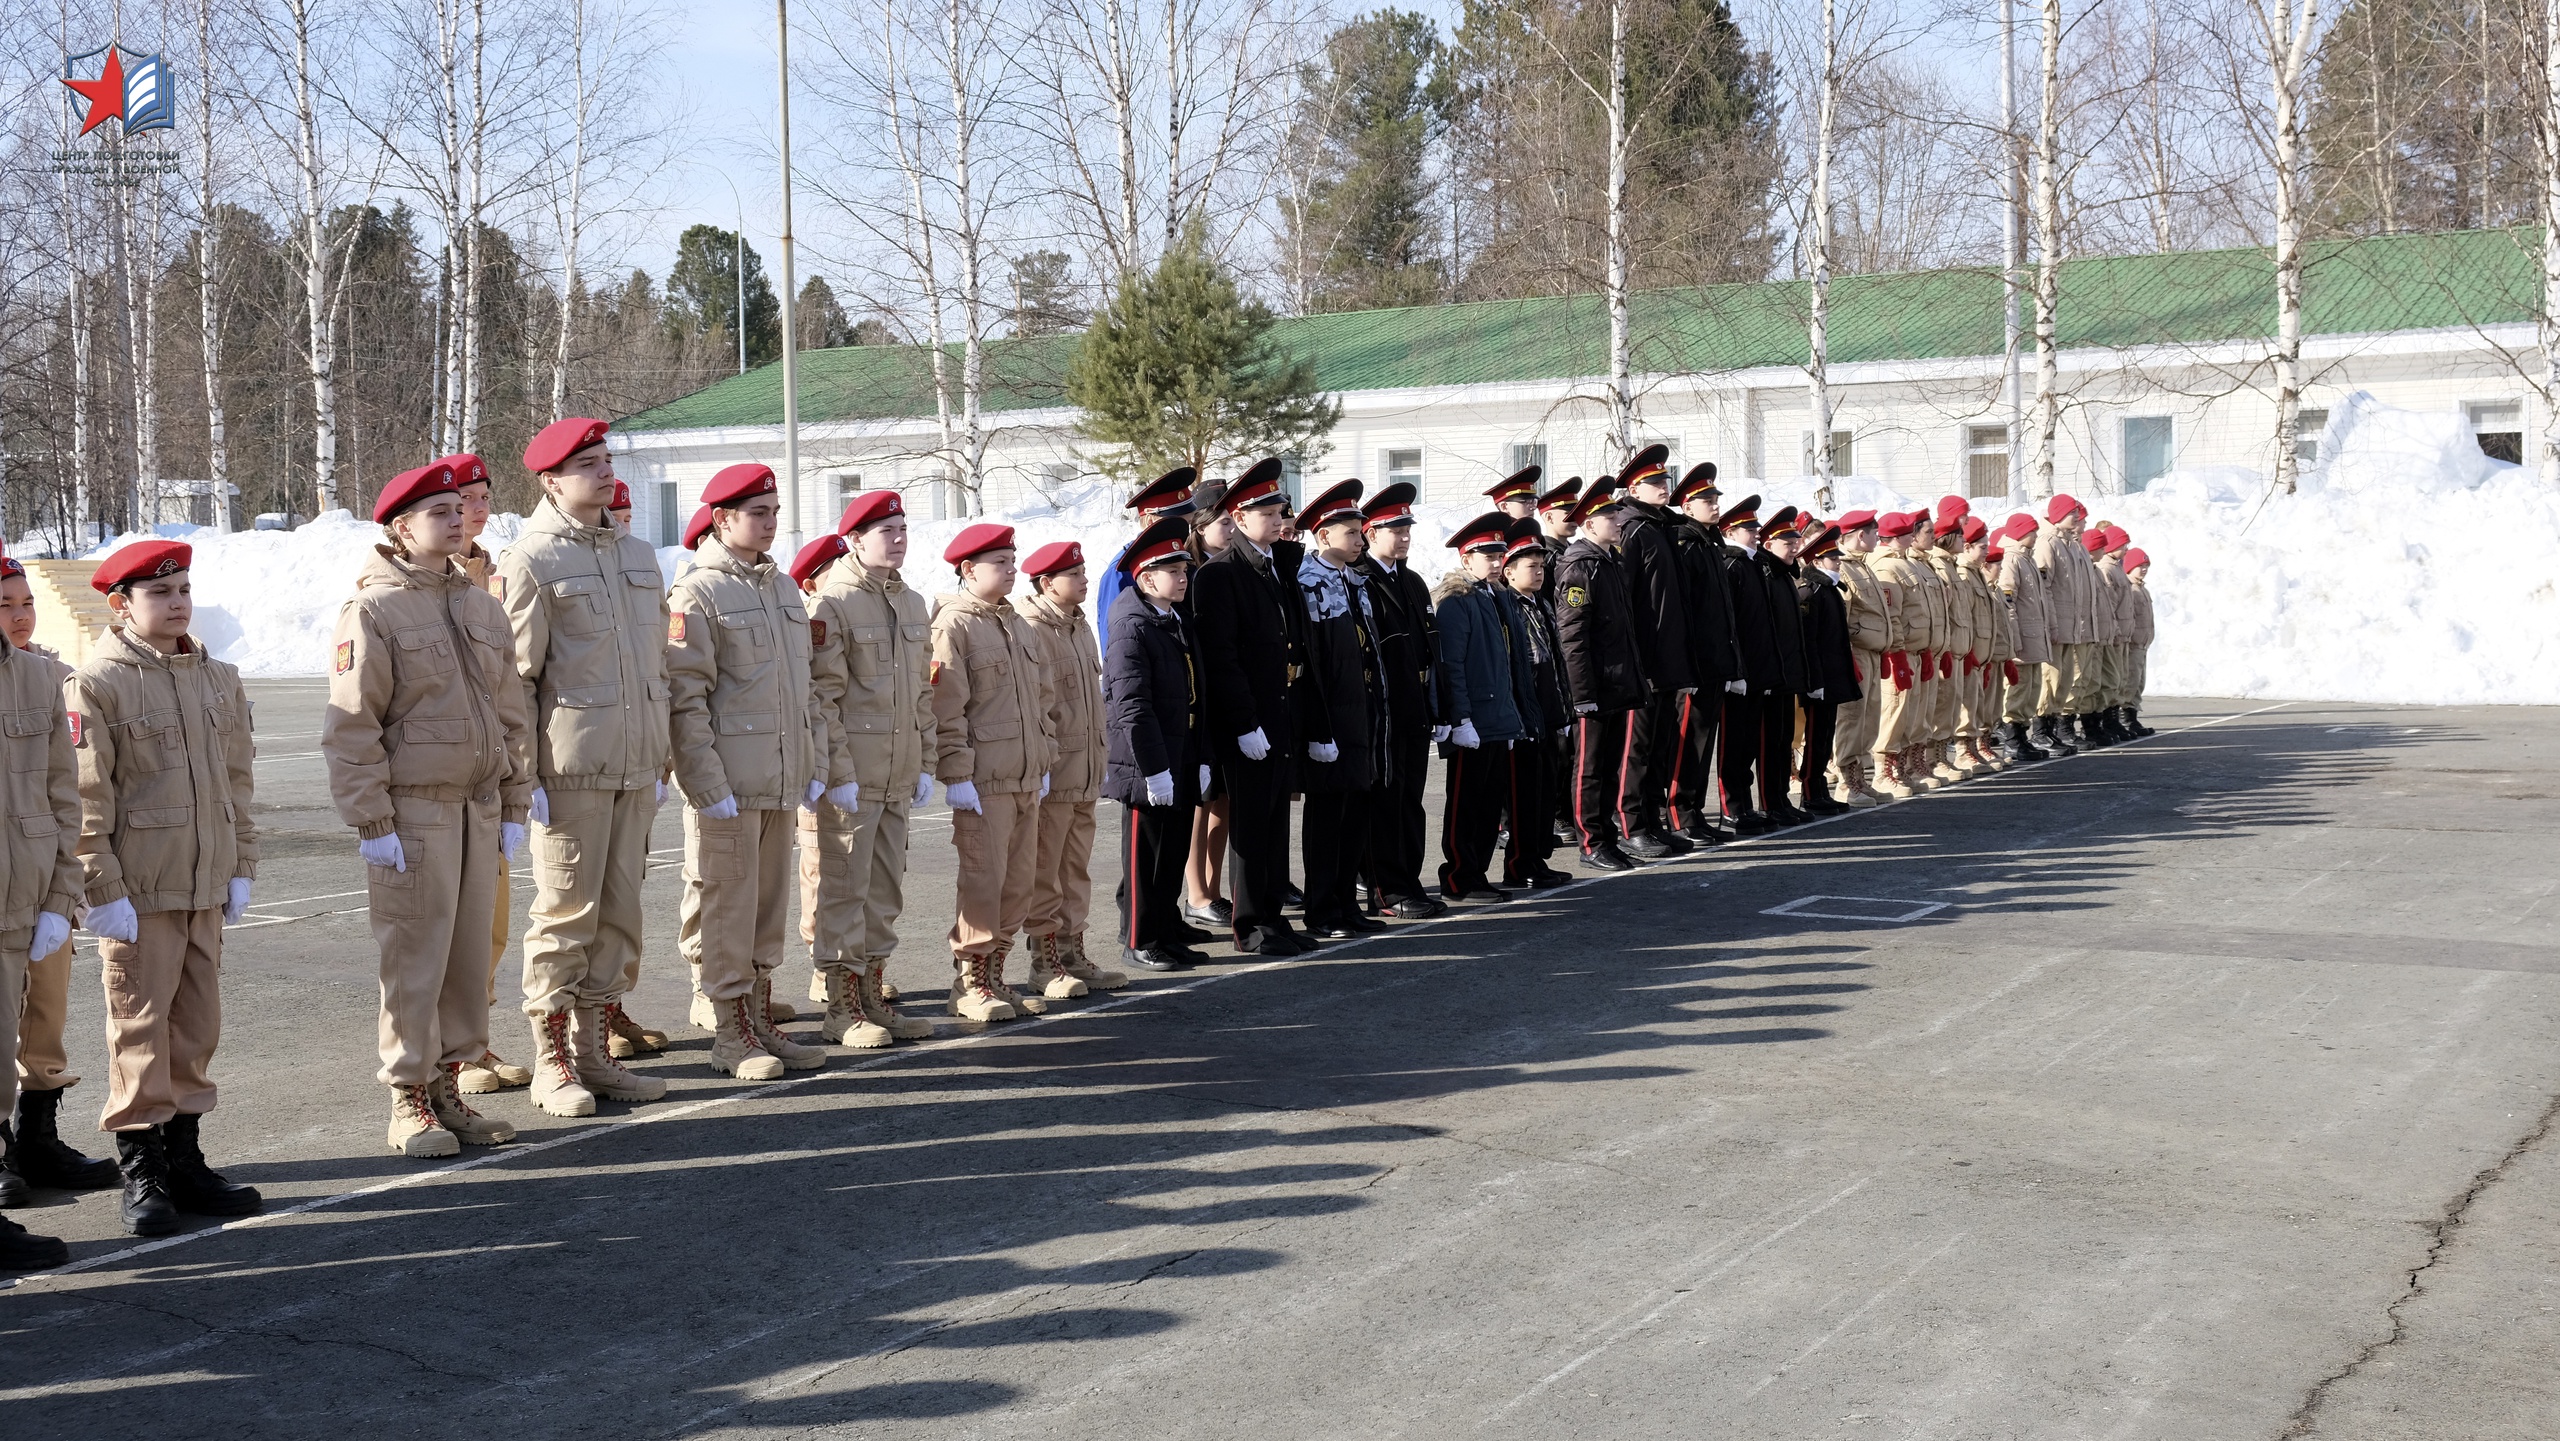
x: 208, y: 305
x: 2048, y: 208
x: 2550, y: 326
x: 2286, y: 29
x: 1818, y: 245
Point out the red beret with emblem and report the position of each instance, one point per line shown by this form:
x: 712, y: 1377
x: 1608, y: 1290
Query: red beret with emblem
x: 149, y: 560
x: 737, y: 484
x: 555, y: 443
x: 9, y: 567
x: 1337, y: 503
x: 1521, y: 484
x: 1056, y: 556
x: 468, y: 469
x: 698, y: 527
x: 869, y: 509
x: 413, y: 487
x: 2059, y: 509
x: 1163, y: 542
x: 1392, y: 505
x: 2018, y: 526
x: 977, y: 540
x: 1489, y: 531
x: 816, y: 556
x: 1974, y: 529
x: 1894, y: 523
x: 2136, y: 558
x: 1257, y: 486
x: 621, y: 497
x: 1855, y: 519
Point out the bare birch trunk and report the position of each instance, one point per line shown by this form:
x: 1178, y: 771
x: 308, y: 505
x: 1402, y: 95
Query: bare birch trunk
x: 1173, y: 121
x: 970, y: 237
x: 2048, y: 248
x: 2012, y: 202
x: 474, y: 383
x: 1622, y: 398
x: 2289, y: 52
x: 1124, y: 123
x: 319, y: 313
x: 577, y: 195
x: 208, y: 311
x: 2551, y: 244
x: 448, y: 294
x: 1817, y: 337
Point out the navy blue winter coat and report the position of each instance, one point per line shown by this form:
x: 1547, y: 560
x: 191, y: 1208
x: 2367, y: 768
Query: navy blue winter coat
x: 1150, y: 703
x: 1475, y: 661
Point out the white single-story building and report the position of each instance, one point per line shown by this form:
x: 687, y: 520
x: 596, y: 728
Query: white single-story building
x: 2163, y: 359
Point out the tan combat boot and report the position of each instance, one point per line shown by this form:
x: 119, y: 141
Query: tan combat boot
x: 1855, y: 790
x: 846, y: 1025
x: 734, y: 1047
x: 768, y: 1035
x: 818, y: 981
x: 1889, y: 776
x: 1072, y: 960
x: 1941, y: 764
x: 414, y: 1128
x: 888, y: 990
x: 1915, y: 770
x: 556, y: 1087
x: 877, y: 1007
x: 490, y: 1073
x: 591, y: 1049
x: 776, y: 1009
x: 627, y: 1037
x: 1048, y: 977
x: 1024, y: 1002
x: 472, y: 1127
x: 699, y: 1013
x: 973, y: 996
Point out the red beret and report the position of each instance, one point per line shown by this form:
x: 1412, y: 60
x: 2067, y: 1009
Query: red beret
x: 1855, y: 519
x: 868, y: 509
x: 1893, y: 523
x: 2136, y: 558
x: 739, y: 483
x: 556, y: 442
x: 1489, y: 531
x: 1056, y: 556
x: 411, y: 487
x: 1994, y: 554
x: 1338, y: 502
x: 2019, y: 526
x: 1974, y: 529
x: 698, y: 527
x: 9, y: 567
x: 2058, y: 508
x: 2094, y: 541
x: 1954, y: 507
x: 468, y: 469
x: 2116, y: 537
x: 149, y: 560
x: 816, y: 556
x: 621, y: 497
x: 977, y: 540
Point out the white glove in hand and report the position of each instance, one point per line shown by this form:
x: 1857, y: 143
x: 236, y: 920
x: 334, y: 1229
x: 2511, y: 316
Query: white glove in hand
x: 1160, y: 789
x: 1044, y: 785
x: 1738, y: 687
x: 116, y: 921
x: 510, y: 839
x: 845, y: 797
x: 924, y: 788
x: 1586, y: 708
x: 1815, y: 693
x: 539, y: 809
x: 963, y: 796
x: 723, y: 809
x: 817, y: 789
x: 1254, y: 744
x: 51, y: 932
x: 1463, y: 736
x: 238, y: 906
x: 1324, y: 753
x: 384, y: 851
x: 1687, y: 690
x: 1204, y: 782
x: 662, y: 792
x: 1439, y: 734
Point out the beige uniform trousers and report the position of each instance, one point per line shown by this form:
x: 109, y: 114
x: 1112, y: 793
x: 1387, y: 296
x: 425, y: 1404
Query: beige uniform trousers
x: 500, y: 914
x: 1926, y: 692
x: 999, y: 857
x: 1991, y: 702
x: 855, y: 865
x: 2018, y: 702
x: 2119, y: 675
x: 1062, y: 893
x: 736, y: 913
x: 13, y: 986
x: 164, y: 1018
x: 2063, y: 681
x: 1862, y: 720
x: 582, y: 940
x: 2137, y: 680
x: 44, y: 1060
x: 1893, y: 714
x: 429, y: 924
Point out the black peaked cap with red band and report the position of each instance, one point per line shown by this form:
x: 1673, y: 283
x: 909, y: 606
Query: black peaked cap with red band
x: 1650, y: 463
x: 1600, y: 493
x: 1335, y: 503
x: 1161, y: 543
x: 1563, y: 496
x: 1489, y: 531
x: 1521, y: 484
x: 1700, y: 481
x: 1165, y: 491
x: 1392, y: 505
x: 1257, y: 486
x: 1745, y: 511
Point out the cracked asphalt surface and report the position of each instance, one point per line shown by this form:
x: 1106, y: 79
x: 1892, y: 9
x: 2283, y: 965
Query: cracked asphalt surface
x: 2215, y: 1100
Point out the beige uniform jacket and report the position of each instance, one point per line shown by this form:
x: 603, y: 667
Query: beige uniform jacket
x: 870, y: 650
x: 39, y: 861
x: 2030, y: 617
x: 1870, y: 604
x: 590, y: 618
x: 423, y: 697
x: 1991, y: 640
x: 1074, y: 662
x: 1958, y: 638
x: 2144, y: 625
x: 990, y: 697
x: 2070, y: 587
x: 744, y: 716
x: 165, y: 778
x: 481, y: 568
x: 1910, y: 582
x: 2115, y: 603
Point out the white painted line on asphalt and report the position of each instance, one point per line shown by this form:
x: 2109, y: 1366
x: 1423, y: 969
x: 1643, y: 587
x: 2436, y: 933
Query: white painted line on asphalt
x: 1891, y: 912
x: 1851, y: 1319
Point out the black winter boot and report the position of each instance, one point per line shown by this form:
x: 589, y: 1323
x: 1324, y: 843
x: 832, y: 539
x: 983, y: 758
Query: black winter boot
x: 14, y: 1190
x: 2046, y: 735
x: 2133, y: 717
x: 20, y: 1251
x: 37, y: 1151
x: 143, y: 1158
x: 2011, y: 741
x: 193, y: 1186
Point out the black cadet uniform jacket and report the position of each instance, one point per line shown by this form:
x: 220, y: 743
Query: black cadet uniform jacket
x: 1754, y: 628
x: 1408, y: 644
x: 1715, y: 651
x: 1659, y: 596
x: 1786, y: 621
x: 1151, y: 705
x: 1596, y: 621
x: 1250, y: 638
x: 1349, y: 684
x: 1828, y: 666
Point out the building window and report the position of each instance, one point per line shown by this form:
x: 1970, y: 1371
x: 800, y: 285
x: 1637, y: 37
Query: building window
x: 670, y: 510
x: 940, y: 489
x: 848, y: 484
x: 1524, y: 456
x: 2499, y: 425
x: 1292, y: 481
x: 2307, y: 428
x: 1844, y: 454
x: 2146, y: 450
x: 1986, y: 461
x: 1406, y: 466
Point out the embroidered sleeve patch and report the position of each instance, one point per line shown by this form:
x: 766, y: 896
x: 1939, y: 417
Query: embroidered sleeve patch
x: 79, y: 732
x: 346, y: 656
x: 498, y: 588
x: 675, y: 628
x: 933, y: 674
x: 1575, y: 595
x: 817, y: 631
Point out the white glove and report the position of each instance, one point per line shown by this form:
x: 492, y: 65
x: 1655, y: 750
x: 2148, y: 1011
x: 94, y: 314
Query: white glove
x: 1324, y: 753
x: 1586, y: 708
x: 1044, y: 785
x: 116, y: 921
x: 1463, y: 735
x: 723, y: 809
x: 963, y: 796
x: 845, y: 797
x: 924, y: 788
x: 384, y: 851
x: 1814, y: 694
x: 1439, y: 734
x: 662, y: 792
x: 1738, y: 687
x: 1204, y: 781
x: 1254, y: 744
x: 1160, y: 789
x: 1686, y: 690
x: 238, y: 906
x: 817, y: 789
x: 51, y: 932
x: 510, y: 839
x: 539, y: 808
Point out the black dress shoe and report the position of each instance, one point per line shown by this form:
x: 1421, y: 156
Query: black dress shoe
x: 1418, y: 908
x: 148, y: 1211
x: 14, y: 1190
x: 1275, y: 942
x: 1219, y: 915
x: 37, y: 1152
x: 1607, y: 857
x: 193, y: 1186
x: 1152, y: 958
x: 1649, y: 846
x: 1703, y: 833
x: 1784, y: 814
x: 1331, y: 930
x: 1191, y: 935
x: 1484, y: 893
x: 1821, y: 804
x: 1752, y: 823
x: 21, y: 1251
x: 1365, y: 924
x: 1547, y: 878
x: 1293, y: 898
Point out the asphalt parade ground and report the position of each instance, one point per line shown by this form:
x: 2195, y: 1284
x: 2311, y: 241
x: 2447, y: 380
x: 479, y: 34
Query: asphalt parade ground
x: 2201, y: 1088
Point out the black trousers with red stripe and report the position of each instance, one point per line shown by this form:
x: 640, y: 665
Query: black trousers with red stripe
x: 1528, y: 807
x: 1601, y: 748
x: 1335, y: 834
x: 1821, y: 718
x: 1399, y: 823
x: 1695, y: 792
x: 1759, y: 741
x: 1646, y: 788
x: 1155, y: 841
x: 1471, y: 814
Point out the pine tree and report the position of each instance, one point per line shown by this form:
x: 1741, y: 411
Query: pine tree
x: 1180, y: 369
x: 702, y: 292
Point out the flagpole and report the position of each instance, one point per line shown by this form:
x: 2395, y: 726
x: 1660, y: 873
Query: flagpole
x: 790, y: 349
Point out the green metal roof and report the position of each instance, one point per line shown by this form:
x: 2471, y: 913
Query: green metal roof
x: 2385, y: 283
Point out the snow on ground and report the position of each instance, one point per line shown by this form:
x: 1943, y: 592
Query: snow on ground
x: 2379, y: 581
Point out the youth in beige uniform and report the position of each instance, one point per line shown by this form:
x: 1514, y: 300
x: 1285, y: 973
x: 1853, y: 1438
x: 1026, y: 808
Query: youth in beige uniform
x: 746, y: 755
x: 1955, y: 642
x: 589, y: 613
x: 2022, y: 586
x: 39, y: 897
x: 491, y: 1072
x: 2071, y: 596
x: 1981, y: 672
x: 2137, y: 574
x: 992, y: 749
x: 1869, y: 602
x: 1913, y: 657
x: 1062, y: 891
x: 871, y: 658
x: 167, y: 853
x: 426, y: 742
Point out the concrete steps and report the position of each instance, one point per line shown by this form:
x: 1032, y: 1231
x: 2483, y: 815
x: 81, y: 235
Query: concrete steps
x: 70, y: 617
